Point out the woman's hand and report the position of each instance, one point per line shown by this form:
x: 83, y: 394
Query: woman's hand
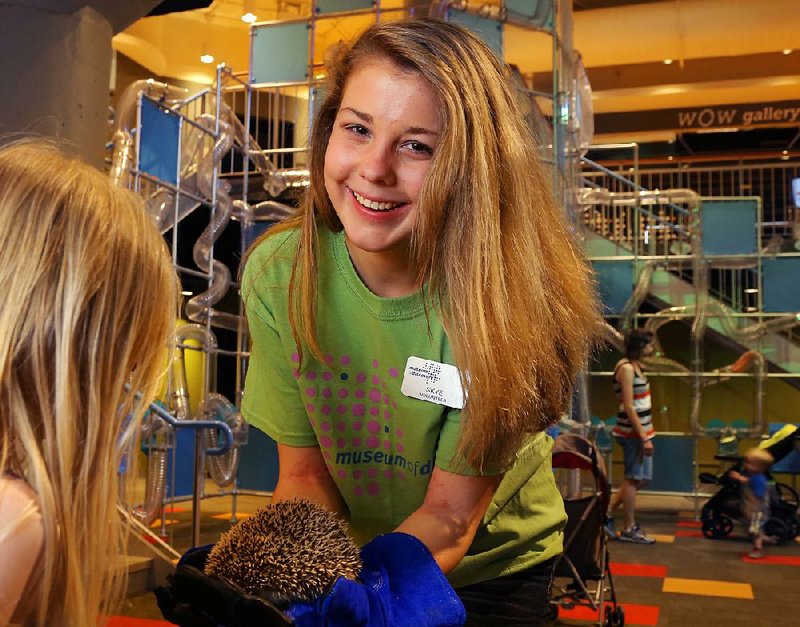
x: 647, y: 448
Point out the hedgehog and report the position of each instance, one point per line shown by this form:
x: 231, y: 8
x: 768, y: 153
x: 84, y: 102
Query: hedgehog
x: 286, y: 552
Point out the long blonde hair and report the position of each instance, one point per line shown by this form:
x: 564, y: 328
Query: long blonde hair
x: 90, y: 302
x: 516, y: 295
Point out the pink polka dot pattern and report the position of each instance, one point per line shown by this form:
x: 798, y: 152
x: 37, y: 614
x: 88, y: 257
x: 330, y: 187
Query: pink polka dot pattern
x: 329, y: 359
x: 376, y: 380
x: 325, y: 426
x: 341, y: 425
x: 325, y: 409
x: 358, y: 409
x: 399, y: 433
x: 374, y: 411
x: 341, y: 473
x: 372, y: 473
x: 341, y: 443
x: 325, y: 442
x: 357, y: 425
x: 373, y: 442
x: 311, y: 392
x: 387, y: 414
x: 327, y: 375
x: 361, y: 377
x: 358, y: 490
x: 311, y: 375
x: 374, y: 396
x: 373, y: 489
x: 360, y: 393
x: 357, y: 442
x: 387, y: 474
x: 344, y: 360
x: 341, y: 409
x: 400, y: 448
x: 374, y: 363
x: 296, y: 358
x: 296, y: 373
x: 373, y: 426
x: 357, y: 474
x: 327, y: 392
x: 311, y: 408
x: 342, y: 393
x: 387, y: 445
x: 393, y: 373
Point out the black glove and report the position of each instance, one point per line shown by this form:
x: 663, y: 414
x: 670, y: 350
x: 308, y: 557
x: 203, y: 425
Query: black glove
x: 193, y: 599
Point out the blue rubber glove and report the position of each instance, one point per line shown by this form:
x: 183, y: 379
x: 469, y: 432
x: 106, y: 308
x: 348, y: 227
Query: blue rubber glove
x: 400, y: 586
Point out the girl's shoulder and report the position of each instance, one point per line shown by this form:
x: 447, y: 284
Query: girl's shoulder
x: 19, y: 507
x: 622, y: 364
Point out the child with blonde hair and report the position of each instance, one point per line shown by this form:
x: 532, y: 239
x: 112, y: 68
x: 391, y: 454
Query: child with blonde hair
x: 755, y: 493
x: 89, y: 305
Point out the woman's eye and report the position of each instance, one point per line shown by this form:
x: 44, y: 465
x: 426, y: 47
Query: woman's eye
x: 358, y: 129
x: 419, y: 148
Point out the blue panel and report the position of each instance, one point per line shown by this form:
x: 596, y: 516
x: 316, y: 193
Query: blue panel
x: 729, y: 227
x: 673, y: 464
x: 258, y: 463
x: 341, y: 6
x: 615, y: 282
x: 159, y: 137
x: 184, y: 464
x: 539, y: 12
x: 491, y: 31
x: 780, y: 281
x: 280, y: 53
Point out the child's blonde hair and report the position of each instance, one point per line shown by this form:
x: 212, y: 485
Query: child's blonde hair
x: 760, y: 458
x: 90, y: 302
x: 490, y: 240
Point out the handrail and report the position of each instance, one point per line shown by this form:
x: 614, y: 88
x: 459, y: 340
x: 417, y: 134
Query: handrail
x: 225, y: 444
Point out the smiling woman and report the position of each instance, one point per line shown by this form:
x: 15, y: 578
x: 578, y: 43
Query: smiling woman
x: 418, y: 325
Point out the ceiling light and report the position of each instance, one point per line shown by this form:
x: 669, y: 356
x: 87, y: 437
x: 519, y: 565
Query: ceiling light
x: 667, y: 61
x: 669, y: 158
x: 784, y: 157
x: 206, y: 58
x: 787, y: 51
x: 249, y: 18
x: 186, y: 293
x: 786, y: 152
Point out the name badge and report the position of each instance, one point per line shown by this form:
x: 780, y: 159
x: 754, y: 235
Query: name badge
x: 433, y: 382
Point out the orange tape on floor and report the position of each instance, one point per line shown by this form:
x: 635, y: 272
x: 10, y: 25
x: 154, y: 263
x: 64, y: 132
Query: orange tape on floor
x: 634, y: 614
x: 782, y: 560
x: 127, y: 621
x: 708, y: 588
x: 637, y: 570
x: 681, y: 533
x: 694, y: 524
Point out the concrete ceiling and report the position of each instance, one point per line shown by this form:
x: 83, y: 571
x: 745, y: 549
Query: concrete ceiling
x: 721, y: 51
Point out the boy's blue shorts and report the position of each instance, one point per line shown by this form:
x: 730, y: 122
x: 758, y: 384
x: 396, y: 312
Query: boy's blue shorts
x: 638, y: 466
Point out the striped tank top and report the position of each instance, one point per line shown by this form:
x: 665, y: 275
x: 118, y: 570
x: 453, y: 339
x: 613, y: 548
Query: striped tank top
x: 641, y: 403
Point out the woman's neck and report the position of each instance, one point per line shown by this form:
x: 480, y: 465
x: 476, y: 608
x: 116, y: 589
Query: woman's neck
x: 387, y: 274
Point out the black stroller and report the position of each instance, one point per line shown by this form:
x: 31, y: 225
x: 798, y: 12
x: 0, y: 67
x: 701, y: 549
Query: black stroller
x: 726, y: 507
x: 582, y: 574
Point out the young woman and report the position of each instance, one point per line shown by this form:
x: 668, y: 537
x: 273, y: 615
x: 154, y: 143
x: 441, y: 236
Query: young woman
x: 634, y: 433
x: 421, y: 321
x: 90, y: 302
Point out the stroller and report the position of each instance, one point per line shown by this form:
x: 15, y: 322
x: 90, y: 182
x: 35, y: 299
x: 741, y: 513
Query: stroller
x: 582, y: 574
x: 727, y: 507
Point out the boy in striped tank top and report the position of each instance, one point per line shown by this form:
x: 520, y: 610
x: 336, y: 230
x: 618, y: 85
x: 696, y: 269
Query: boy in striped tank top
x: 634, y: 432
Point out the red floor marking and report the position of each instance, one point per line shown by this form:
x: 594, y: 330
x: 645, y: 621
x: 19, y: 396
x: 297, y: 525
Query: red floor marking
x: 783, y: 560
x: 694, y: 524
x: 680, y: 533
x: 175, y: 509
x: 634, y: 614
x: 127, y: 621
x: 637, y: 570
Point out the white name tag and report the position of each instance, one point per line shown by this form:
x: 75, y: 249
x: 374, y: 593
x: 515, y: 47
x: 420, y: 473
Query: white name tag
x: 433, y: 382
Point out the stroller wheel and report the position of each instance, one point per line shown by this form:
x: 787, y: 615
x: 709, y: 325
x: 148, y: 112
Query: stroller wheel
x: 794, y: 528
x: 614, y: 616
x: 717, y: 527
x: 777, y: 529
x: 552, y: 612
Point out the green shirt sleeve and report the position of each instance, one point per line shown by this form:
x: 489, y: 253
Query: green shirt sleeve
x: 272, y: 401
